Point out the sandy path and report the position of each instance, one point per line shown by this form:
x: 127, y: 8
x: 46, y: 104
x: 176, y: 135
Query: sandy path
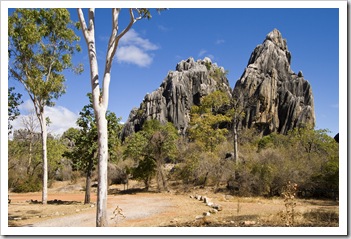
x: 133, y: 207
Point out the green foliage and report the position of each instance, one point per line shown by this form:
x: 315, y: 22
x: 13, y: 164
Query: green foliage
x: 208, y: 65
x: 155, y: 140
x: 56, y: 148
x: 305, y: 156
x: 218, y: 73
x: 155, y: 143
x: 84, y: 141
x: 41, y: 45
x: 200, y: 167
x: 145, y: 170
x: 206, y: 121
x: 14, y: 100
x: 25, y: 166
x: 30, y: 184
x: 40, y: 48
x: 135, y: 145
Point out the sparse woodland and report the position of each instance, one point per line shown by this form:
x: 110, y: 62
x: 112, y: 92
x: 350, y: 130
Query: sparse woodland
x: 203, y: 157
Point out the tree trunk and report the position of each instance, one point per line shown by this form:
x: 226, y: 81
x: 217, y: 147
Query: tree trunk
x: 164, y: 181
x: 101, y: 214
x: 235, y: 135
x: 147, y: 183
x: 161, y: 179
x: 100, y: 102
x: 30, y: 154
x: 88, y: 182
x: 205, y: 180
x: 45, y: 159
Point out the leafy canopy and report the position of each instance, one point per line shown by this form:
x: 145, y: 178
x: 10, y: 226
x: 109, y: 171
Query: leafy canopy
x: 206, y: 121
x: 14, y: 100
x: 85, y: 139
x: 41, y: 44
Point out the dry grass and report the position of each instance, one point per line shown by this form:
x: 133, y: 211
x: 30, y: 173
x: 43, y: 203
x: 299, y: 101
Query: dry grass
x: 237, y: 211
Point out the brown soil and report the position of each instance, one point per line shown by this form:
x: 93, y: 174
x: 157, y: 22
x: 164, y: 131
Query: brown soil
x: 65, y: 208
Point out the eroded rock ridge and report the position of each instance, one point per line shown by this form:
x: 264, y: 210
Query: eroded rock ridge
x: 179, y: 91
x: 278, y: 100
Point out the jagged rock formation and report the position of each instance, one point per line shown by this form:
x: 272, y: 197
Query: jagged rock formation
x: 179, y: 91
x: 276, y: 99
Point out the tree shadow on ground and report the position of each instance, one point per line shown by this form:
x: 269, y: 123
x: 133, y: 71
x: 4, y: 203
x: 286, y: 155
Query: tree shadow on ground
x: 130, y: 191
x: 55, y: 202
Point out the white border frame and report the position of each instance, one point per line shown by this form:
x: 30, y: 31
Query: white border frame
x: 341, y: 230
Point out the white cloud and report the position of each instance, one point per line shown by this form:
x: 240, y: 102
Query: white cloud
x: 26, y: 106
x: 133, y: 38
x: 61, y: 118
x: 134, y: 55
x: 202, y: 52
x: 219, y: 41
x: 163, y: 28
x: 134, y: 49
x: 212, y: 57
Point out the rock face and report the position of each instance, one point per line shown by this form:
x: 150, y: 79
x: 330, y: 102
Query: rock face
x: 277, y: 99
x: 179, y: 91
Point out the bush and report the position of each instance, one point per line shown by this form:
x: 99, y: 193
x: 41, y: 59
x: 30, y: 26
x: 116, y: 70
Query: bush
x: 76, y: 175
x: 64, y: 173
x: 117, y: 174
x: 32, y: 184
x: 145, y: 170
x: 322, y: 217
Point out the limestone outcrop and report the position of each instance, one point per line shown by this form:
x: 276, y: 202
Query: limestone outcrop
x: 179, y: 91
x: 272, y: 96
x: 276, y: 99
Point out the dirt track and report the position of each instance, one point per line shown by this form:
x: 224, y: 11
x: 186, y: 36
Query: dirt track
x: 133, y: 208
x: 65, y: 208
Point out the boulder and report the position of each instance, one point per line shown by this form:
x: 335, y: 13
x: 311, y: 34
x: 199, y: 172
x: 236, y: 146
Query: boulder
x: 206, y: 214
x: 217, y: 207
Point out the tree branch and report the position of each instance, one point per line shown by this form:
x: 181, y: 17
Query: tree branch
x: 131, y: 22
x: 83, y: 23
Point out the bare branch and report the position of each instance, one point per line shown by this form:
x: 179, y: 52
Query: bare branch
x: 112, y: 47
x: 82, y: 22
x: 131, y: 22
x: 91, y: 19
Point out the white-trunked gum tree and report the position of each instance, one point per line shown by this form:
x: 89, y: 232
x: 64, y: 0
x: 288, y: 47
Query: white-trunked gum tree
x: 41, y: 44
x: 101, y: 96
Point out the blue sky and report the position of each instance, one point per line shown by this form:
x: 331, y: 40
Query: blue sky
x: 226, y: 35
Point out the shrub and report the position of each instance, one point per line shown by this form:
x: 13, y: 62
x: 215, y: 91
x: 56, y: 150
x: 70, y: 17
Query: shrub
x: 31, y: 184
x: 145, y: 170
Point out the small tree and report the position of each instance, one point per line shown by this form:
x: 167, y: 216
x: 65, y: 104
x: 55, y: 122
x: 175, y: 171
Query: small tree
x: 31, y: 125
x: 238, y: 106
x: 208, y: 121
x: 162, y: 145
x: 84, y: 152
x: 40, y: 49
x: 150, y: 147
